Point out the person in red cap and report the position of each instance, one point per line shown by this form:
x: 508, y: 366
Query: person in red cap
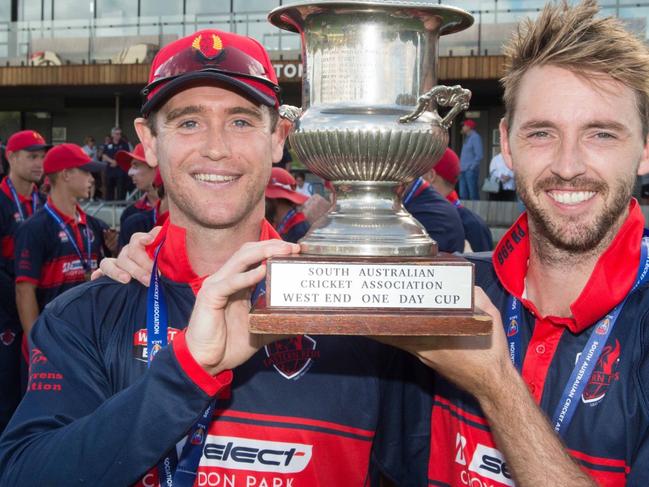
x: 443, y: 177
x: 282, y: 201
x: 60, y: 245
x: 168, y: 380
x: 19, y: 198
x: 135, y: 165
x: 144, y: 221
x: 470, y: 160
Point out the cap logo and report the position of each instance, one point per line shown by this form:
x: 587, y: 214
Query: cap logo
x: 209, y: 47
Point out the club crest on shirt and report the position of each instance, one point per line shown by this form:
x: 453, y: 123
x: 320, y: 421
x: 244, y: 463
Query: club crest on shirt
x: 291, y: 357
x: 604, y: 375
x: 7, y: 337
x: 63, y: 237
x: 17, y: 217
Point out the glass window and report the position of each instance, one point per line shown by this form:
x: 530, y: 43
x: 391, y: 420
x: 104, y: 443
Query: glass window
x: 116, y: 8
x: 5, y: 10
x: 197, y: 7
x: 254, y: 5
x: 30, y: 10
x: 72, y: 9
x: 161, y: 7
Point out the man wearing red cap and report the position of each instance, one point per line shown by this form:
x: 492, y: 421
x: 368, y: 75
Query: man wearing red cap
x: 19, y: 198
x: 166, y: 386
x: 135, y: 165
x: 282, y: 201
x: 59, y: 246
x: 443, y: 178
x: 470, y: 159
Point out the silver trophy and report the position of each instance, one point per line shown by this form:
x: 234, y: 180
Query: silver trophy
x: 369, y: 124
x: 369, y: 120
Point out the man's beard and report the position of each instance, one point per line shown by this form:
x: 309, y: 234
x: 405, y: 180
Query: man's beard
x: 573, y: 234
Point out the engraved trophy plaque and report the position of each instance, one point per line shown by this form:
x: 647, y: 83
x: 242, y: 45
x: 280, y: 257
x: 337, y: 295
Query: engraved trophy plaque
x: 369, y: 124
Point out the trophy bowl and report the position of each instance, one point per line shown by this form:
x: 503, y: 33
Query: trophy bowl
x: 369, y: 121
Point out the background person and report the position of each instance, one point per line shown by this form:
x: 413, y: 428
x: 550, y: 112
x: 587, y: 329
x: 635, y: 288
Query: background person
x: 470, y: 159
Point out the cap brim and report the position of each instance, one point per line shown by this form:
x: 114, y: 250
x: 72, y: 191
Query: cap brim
x: 170, y: 88
x: 124, y: 158
x: 274, y: 192
x: 93, y: 166
x: 33, y: 148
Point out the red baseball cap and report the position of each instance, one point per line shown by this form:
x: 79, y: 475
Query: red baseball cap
x: 29, y: 140
x: 448, y: 167
x: 282, y: 185
x: 124, y: 157
x: 207, y: 56
x: 68, y: 156
x: 469, y: 123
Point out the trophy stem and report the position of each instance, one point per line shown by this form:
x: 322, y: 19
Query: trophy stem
x: 368, y: 219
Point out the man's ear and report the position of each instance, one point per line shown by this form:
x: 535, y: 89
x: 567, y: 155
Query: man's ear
x: 504, y: 143
x: 643, y: 167
x: 282, y: 130
x: 147, y: 139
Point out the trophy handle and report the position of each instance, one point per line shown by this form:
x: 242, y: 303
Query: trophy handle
x: 441, y: 95
x: 290, y: 113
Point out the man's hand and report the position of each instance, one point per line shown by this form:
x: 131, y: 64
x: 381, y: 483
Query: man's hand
x: 132, y: 261
x: 217, y: 335
x: 471, y: 362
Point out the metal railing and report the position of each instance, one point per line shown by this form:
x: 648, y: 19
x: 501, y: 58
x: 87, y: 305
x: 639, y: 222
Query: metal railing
x: 101, y: 40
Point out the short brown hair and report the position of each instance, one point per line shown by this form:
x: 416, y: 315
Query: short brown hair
x: 574, y: 39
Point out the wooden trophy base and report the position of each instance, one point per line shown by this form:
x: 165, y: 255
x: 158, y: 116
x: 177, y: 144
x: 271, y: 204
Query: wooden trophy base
x: 380, y: 296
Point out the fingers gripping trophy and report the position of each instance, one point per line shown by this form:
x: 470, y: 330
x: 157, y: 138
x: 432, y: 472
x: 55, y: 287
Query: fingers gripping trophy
x: 369, y: 124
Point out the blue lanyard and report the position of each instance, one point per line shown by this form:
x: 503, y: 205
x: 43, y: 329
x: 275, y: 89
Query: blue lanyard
x: 174, y: 471
x: 86, y: 264
x: 417, y: 184
x: 19, y: 206
x: 285, y: 220
x: 155, y: 215
x: 457, y: 203
x: 589, y: 356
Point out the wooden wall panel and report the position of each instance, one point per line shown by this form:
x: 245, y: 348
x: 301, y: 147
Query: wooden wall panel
x: 455, y: 68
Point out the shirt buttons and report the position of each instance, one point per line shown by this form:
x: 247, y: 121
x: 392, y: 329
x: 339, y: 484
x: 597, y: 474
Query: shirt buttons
x: 540, y: 349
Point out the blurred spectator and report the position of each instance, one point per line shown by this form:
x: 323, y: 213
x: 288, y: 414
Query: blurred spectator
x: 89, y: 147
x: 135, y: 165
x: 439, y: 217
x: 19, y: 199
x: 59, y: 246
x: 282, y: 201
x: 145, y: 221
x: 443, y: 178
x: 302, y: 186
x: 499, y: 170
x: 115, y: 180
x: 470, y: 159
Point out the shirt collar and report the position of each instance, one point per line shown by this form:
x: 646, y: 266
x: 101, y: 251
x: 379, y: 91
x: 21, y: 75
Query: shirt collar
x: 143, y: 203
x: 173, y: 261
x: 4, y: 187
x: 609, y: 283
x: 452, y: 197
x: 67, y: 219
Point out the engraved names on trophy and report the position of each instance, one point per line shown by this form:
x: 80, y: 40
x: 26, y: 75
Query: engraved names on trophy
x: 362, y: 285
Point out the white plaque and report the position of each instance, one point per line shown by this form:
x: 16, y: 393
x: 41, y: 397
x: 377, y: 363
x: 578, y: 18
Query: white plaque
x: 360, y: 285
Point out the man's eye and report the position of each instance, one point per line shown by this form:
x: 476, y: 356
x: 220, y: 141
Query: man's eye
x: 241, y: 123
x: 605, y: 135
x: 189, y: 124
x: 540, y: 134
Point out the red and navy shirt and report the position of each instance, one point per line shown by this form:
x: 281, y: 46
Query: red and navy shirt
x: 304, y: 411
x: 476, y: 229
x: 294, y: 228
x: 45, y: 256
x: 10, y: 218
x: 143, y: 205
x: 141, y: 222
x: 440, y: 219
x: 609, y: 434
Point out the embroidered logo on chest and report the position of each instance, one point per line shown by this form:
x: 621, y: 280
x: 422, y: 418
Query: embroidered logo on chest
x: 604, y: 375
x: 292, y: 357
x: 7, y: 337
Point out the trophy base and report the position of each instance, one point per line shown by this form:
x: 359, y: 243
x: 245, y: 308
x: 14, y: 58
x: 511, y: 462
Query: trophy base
x: 379, y: 296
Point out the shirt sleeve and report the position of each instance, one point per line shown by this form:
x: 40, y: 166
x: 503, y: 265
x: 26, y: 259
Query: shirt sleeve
x: 29, y: 252
x: 477, y: 148
x: 78, y: 425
